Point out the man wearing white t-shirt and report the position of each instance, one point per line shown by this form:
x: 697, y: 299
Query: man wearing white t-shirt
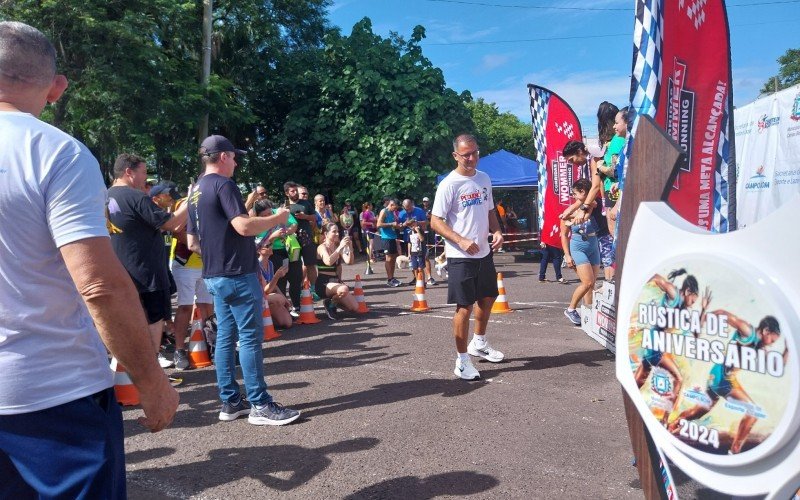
x: 61, y: 284
x: 463, y: 213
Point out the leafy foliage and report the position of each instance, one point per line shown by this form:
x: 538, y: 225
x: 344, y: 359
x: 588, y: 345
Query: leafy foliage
x: 357, y: 116
x: 495, y: 130
x: 788, y: 74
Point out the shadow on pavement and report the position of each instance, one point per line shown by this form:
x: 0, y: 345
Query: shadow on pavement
x: 280, y: 467
x: 448, y: 484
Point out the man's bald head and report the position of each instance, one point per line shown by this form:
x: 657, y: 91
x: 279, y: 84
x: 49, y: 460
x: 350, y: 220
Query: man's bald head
x: 27, y: 58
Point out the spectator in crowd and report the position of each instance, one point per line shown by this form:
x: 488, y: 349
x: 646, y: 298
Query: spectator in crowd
x: 581, y: 250
x: 282, y: 239
x: 511, y: 226
x: 410, y: 216
x: 303, y: 212
x: 222, y: 231
x: 552, y: 254
x: 417, y: 253
x: 187, y: 269
x: 463, y: 213
x: 387, y: 227
x: 500, y: 210
x: 279, y: 306
x: 302, y: 192
x: 61, y: 433
x: 610, y: 168
x: 350, y: 224
x: 259, y: 193
x: 331, y: 253
x: 139, y: 244
x: 322, y: 212
x: 368, y: 228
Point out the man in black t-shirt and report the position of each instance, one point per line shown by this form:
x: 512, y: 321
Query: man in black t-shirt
x: 139, y: 244
x: 222, y: 232
x: 303, y: 211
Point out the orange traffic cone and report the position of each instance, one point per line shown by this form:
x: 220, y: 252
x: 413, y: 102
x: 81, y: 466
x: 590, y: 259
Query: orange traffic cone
x: 198, y: 350
x: 420, y: 304
x: 307, y: 315
x: 126, y: 392
x: 358, y: 293
x: 501, y: 302
x: 269, y: 328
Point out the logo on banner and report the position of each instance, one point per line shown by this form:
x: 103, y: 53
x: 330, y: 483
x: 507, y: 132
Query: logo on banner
x: 566, y: 129
x: 758, y: 181
x: 766, y: 122
x: 710, y: 356
x: 796, y: 108
x: 694, y: 11
x: 680, y: 112
x: 562, y: 177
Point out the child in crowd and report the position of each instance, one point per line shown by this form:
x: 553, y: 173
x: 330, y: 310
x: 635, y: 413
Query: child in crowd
x: 416, y: 251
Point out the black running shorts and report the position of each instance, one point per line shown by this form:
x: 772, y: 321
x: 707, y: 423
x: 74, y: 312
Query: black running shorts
x: 157, y: 306
x: 469, y: 280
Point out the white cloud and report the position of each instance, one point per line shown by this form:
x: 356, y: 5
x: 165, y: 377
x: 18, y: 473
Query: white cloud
x: 493, y: 61
x: 583, y: 91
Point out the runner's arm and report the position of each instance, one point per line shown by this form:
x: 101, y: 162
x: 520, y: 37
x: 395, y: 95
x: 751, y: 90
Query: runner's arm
x: 108, y: 292
x: 497, y: 233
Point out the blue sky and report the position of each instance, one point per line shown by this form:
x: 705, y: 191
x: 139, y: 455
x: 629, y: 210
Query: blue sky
x: 588, y: 64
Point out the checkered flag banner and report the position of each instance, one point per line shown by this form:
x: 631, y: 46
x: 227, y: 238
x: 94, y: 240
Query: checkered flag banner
x: 540, y: 98
x: 682, y: 78
x: 554, y: 124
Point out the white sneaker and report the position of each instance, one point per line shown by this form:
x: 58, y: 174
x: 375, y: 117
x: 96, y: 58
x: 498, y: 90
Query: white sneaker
x: 465, y: 370
x: 163, y: 361
x: 486, y: 352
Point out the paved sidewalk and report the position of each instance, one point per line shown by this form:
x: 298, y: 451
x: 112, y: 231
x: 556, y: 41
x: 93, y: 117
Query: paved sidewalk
x: 384, y: 417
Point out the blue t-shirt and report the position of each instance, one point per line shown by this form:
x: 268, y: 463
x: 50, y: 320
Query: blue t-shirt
x: 388, y: 233
x: 417, y: 214
x: 213, y: 203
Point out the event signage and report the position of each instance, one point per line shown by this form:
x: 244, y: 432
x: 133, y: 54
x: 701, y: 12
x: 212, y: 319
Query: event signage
x: 767, y: 154
x: 681, y: 77
x: 708, y: 347
x: 554, y: 124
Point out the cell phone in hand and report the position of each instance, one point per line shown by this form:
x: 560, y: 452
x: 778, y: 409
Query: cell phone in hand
x: 285, y: 262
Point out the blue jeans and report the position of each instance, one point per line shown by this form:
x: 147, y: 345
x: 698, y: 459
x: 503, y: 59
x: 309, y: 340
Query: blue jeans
x: 74, y: 450
x: 554, y: 255
x: 238, y: 306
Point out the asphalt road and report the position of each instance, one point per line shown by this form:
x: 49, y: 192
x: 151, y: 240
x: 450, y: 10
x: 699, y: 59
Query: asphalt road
x: 384, y: 416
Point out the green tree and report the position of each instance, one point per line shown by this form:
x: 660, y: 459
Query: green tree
x: 495, y: 130
x: 788, y: 74
x: 381, y: 120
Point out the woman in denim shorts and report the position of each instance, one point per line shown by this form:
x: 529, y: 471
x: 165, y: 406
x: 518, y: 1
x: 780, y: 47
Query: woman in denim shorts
x: 581, y: 252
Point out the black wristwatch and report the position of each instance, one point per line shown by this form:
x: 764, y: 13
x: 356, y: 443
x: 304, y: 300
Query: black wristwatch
x: 585, y: 208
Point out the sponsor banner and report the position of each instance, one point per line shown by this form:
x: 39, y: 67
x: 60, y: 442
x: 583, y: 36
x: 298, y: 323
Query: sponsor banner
x: 554, y: 124
x: 767, y: 154
x: 688, y: 92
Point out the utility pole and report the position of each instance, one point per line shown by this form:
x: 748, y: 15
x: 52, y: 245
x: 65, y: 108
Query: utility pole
x: 202, y: 132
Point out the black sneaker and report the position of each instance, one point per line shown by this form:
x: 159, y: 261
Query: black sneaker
x: 232, y: 411
x: 330, y: 309
x: 412, y: 282
x: 272, y: 414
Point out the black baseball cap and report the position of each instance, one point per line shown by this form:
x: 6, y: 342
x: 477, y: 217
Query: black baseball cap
x: 165, y: 188
x: 218, y: 144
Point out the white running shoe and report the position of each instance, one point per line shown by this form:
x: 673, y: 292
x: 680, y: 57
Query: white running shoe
x: 486, y: 352
x: 163, y: 362
x: 465, y: 370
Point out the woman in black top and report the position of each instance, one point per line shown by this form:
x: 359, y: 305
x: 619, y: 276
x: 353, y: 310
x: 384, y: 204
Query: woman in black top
x: 330, y: 255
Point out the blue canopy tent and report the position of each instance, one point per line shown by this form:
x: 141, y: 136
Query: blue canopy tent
x: 507, y: 170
